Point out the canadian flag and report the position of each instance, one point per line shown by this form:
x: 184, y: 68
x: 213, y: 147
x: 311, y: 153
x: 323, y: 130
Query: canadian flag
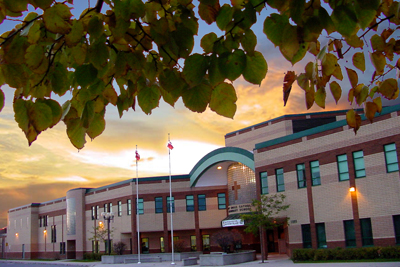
x: 137, y: 155
x: 170, y: 145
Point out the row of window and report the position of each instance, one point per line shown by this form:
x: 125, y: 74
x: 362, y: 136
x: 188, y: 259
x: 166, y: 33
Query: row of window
x: 392, y: 165
x: 201, y: 204
x: 43, y: 221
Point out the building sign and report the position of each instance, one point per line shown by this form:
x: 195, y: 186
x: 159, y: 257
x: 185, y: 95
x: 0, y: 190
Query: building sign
x: 234, y: 222
x: 240, y: 208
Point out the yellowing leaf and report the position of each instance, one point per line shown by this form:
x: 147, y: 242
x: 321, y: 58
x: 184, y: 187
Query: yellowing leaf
x: 329, y: 64
x: 320, y: 97
x: 361, y: 93
x: 208, y: 13
x: 379, y: 62
x: 370, y: 109
x: 377, y: 43
x: 337, y: 73
x: 353, y: 77
x: 354, y: 41
x: 223, y: 100
x: 2, y: 98
x: 353, y: 120
x: 16, y: 5
x: 288, y: 80
x: 34, y: 56
x: 310, y: 97
x: 378, y: 102
x: 359, y: 61
x: 57, y: 19
x: 75, y: 36
x: 389, y: 88
x: 336, y: 90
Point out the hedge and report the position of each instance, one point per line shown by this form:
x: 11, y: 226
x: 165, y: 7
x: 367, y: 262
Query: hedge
x: 308, y: 254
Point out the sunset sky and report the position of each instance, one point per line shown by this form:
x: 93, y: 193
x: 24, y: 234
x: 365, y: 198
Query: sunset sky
x: 51, y: 166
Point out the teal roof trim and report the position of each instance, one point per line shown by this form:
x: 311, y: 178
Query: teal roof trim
x: 319, y: 129
x: 220, y: 155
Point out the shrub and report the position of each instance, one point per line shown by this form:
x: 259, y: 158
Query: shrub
x: 119, y: 247
x: 92, y: 256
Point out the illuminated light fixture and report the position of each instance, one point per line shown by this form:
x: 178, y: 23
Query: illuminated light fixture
x: 16, y: 234
x: 352, y: 189
x: 101, y: 224
x: 45, y: 231
x: 219, y: 167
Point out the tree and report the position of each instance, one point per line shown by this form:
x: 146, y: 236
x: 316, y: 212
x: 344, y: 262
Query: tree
x: 100, y: 233
x: 264, y: 216
x: 133, y: 52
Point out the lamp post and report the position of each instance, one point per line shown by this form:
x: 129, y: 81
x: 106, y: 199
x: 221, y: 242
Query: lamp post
x: 108, y: 216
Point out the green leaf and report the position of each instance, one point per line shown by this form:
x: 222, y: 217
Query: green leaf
x: 87, y: 114
x: 57, y: 19
x: 224, y: 17
x: 40, y: 116
x: 326, y: 21
x: 195, y: 69
x: 197, y: 98
x: 15, y: 52
x: 14, y: 75
x: 98, y: 54
x: 21, y: 113
x: 185, y: 41
x: 223, y: 100
x: 345, y: 20
x: 207, y: 42
x: 75, y: 35
x: 34, y: 56
x: 76, y: 133
x: 329, y: 64
x: 249, y: 41
x: 256, y: 68
x: 56, y: 110
x: 336, y: 90
x: 378, y: 43
x: 214, y: 73
x: 296, y: 11
x: 16, y: 5
x: 359, y: 61
x: 320, y: 97
x: 43, y: 4
x: 149, y: 98
x: 274, y: 27
x: 290, y: 47
x: 59, y: 79
x: 79, y: 53
x: 379, y: 62
x: 233, y: 64
x: 2, y: 98
x: 97, y: 126
x: 85, y: 75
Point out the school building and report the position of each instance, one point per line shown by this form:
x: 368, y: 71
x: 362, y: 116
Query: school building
x: 343, y: 189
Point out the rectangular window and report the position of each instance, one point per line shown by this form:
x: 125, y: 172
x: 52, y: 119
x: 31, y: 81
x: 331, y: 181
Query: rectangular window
x: 306, y: 235
x: 206, y: 242
x: 119, y: 204
x: 140, y: 206
x: 162, y: 246
x: 315, y: 173
x: 321, y: 236
x: 62, y: 248
x: 159, y: 204
x: 129, y: 206
x: 53, y: 234
x: 301, y: 175
x: 201, y: 201
x: 193, y: 243
x: 264, y: 182
x: 349, y: 233
x: 170, y: 202
x: 95, y: 246
x: 40, y: 221
x: 280, y: 183
x: 46, y: 220
x: 106, y: 207
x: 145, y: 245
x: 97, y: 212
x: 93, y: 212
x: 110, y: 207
x: 359, y: 166
x: 392, y: 162
x: 366, y: 232
x: 221, y: 201
x: 190, y: 203
x: 396, y: 224
x: 343, y: 167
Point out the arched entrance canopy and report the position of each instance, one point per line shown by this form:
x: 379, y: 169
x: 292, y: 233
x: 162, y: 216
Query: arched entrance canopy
x: 220, y: 155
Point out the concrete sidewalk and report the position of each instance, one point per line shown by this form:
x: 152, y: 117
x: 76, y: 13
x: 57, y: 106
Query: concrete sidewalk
x: 273, y: 260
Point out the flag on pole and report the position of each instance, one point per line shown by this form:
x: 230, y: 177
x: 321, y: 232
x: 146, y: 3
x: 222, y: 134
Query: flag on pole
x: 170, y: 145
x: 137, y: 155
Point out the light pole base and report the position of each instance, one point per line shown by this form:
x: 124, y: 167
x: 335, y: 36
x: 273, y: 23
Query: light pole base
x: 138, y: 262
x: 172, y: 263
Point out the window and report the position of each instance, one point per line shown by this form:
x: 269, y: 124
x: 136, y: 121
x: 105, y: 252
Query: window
x: 206, y: 242
x: 190, y: 203
x: 392, y: 163
x: 366, y: 232
x: 110, y: 207
x: 193, y: 243
x: 201, y: 201
x: 40, y: 221
x: 359, y: 166
x: 46, y: 219
x: 396, y: 223
x: 97, y: 212
x: 119, y: 204
x: 159, y: 204
x: 170, y: 202
x: 301, y: 175
x: 106, y: 207
x: 140, y: 206
x: 280, y: 183
x: 53, y: 234
x: 321, y: 237
x: 129, y: 206
x: 93, y: 212
x: 315, y: 174
x: 145, y: 245
x: 306, y: 235
x: 62, y: 248
x: 264, y: 182
x: 221, y: 201
x: 106, y: 243
x: 162, y: 246
x: 343, y: 167
x: 349, y: 233
x: 95, y: 246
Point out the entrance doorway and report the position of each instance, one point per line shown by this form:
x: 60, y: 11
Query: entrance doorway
x: 71, y: 249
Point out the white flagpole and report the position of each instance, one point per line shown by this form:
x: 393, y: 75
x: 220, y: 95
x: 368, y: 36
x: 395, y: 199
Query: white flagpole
x: 170, y: 204
x: 137, y: 207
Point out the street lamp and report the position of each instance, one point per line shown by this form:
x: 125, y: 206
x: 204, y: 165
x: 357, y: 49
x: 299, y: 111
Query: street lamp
x: 108, y: 216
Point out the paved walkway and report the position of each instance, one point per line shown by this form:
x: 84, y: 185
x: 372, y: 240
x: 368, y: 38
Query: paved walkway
x: 273, y: 260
